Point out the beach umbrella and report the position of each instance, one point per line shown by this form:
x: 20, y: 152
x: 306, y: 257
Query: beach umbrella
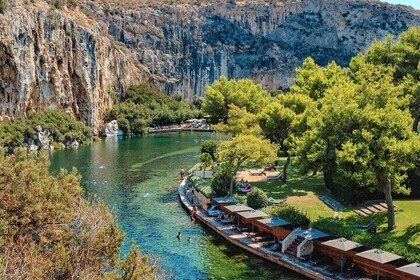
x: 413, y: 269
x: 343, y: 245
x: 378, y: 256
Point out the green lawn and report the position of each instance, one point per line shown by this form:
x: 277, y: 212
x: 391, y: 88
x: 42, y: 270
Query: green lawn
x: 302, y: 190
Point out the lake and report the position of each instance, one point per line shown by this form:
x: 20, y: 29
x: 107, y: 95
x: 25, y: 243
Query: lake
x: 138, y: 178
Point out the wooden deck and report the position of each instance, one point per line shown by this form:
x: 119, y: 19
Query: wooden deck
x: 243, y: 241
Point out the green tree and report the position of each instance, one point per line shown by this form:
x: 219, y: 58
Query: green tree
x: 257, y: 199
x: 363, y: 132
x: 403, y: 56
x: 240, y: 121
x: 206, y: 160
x: 241, y: 93
x: 210, y: 147
x: 245, y: 149
x: 52, y: 231
x: 313, y: 80
x: 221, y: 180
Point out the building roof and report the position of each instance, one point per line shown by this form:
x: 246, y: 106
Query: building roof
x: 226, y: 199
x: 237, y: 208
x: 342, y: 244
x: 274, y: 222
x: 378, y: 255
x: 413, y: 269
x: 252, y: 214
x: 311, y: 233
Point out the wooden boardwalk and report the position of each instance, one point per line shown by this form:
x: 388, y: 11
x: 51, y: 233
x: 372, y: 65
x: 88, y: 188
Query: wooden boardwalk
x: 243, y: 241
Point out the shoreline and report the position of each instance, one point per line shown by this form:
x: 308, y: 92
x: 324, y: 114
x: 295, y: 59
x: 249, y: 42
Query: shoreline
x: 243, y: 242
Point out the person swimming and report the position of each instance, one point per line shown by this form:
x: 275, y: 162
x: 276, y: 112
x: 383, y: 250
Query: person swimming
x: 179, y: 235
x: 189, y: 238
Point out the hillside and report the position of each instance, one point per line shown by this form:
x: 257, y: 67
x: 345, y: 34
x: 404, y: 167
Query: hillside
x: 82, y: 59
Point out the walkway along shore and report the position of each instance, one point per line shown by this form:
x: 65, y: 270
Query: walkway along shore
x: 244, y: 242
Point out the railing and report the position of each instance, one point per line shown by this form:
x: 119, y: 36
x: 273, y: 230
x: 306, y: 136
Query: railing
x: 289, y: 240
x: 305, y: 248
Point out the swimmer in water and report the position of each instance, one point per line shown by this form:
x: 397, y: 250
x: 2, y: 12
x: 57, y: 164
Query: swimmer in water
x: 189, y: 239
x: 179, y: 236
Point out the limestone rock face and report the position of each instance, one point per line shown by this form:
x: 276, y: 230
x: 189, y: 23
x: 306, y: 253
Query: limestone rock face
x: 82, y: 60
x: 43, y: 134
x: 111, y: 129
x: 190, y: 46
x: 60, y: 59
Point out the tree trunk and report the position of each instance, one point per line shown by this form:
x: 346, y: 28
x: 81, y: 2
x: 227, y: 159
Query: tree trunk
x: 286, y: 164
x: 232, y: 180
x: 390, y: 204
x: 416, y: 123
x: 204, y: 172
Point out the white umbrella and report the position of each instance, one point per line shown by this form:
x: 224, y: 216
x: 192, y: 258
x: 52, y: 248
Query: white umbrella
x: 343, y: 245
x: 378, y: 256
x: 413, y: 269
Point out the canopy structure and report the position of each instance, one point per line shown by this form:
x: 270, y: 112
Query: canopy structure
x: 311, y: 234
x: 225, y: 200
x: 413, y: 269
x: 274, y: 222
x: 252, y: 214
x: 342, y: 244
x: 378, y: 256
x: 237, y: 208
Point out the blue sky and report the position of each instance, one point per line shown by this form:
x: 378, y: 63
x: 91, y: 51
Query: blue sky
x: 413, y: 3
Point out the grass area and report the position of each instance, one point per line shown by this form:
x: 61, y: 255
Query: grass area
x: 302, y: 192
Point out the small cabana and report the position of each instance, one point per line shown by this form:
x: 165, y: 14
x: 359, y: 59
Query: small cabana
x: 337, y: 249
x: 410, y: 271
x: 236, y: 208
x: 376, y: 261
x: 225, y: 200
x: 311, y: 234
x: 248, y: 216
x: 276, y: 226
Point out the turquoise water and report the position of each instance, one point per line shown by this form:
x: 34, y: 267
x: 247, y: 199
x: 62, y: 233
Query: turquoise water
x: 138, y: 178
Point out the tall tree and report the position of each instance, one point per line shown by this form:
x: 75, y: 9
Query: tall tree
x: 245, y: 149
x: 243, y: 93
x: 363, y: 128
x: 240, y: 121
x: 403, y: 56
x: 206, y: 160
x: 313, y: 80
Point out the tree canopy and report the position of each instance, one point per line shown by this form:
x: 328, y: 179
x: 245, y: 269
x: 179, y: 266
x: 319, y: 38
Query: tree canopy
x: 245, y: 149
x: 243, y: 93
x: 49, y: 231
x: 362, y: 130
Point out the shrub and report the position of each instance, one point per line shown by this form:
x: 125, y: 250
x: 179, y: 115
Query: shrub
x: 62, y: 126
x: 143, y: 106
x: 201, y: 186
x: 3, y: 6
x: 221, y: 181
x: 291, y: 214
x: 257, y: 199
x: 210, y: 147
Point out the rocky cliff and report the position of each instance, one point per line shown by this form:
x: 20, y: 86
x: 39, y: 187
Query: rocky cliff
x: 82, y: 59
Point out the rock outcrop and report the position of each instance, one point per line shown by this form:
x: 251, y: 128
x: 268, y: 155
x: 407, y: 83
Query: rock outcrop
x: 81, y: 60
x: 60, y: 59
